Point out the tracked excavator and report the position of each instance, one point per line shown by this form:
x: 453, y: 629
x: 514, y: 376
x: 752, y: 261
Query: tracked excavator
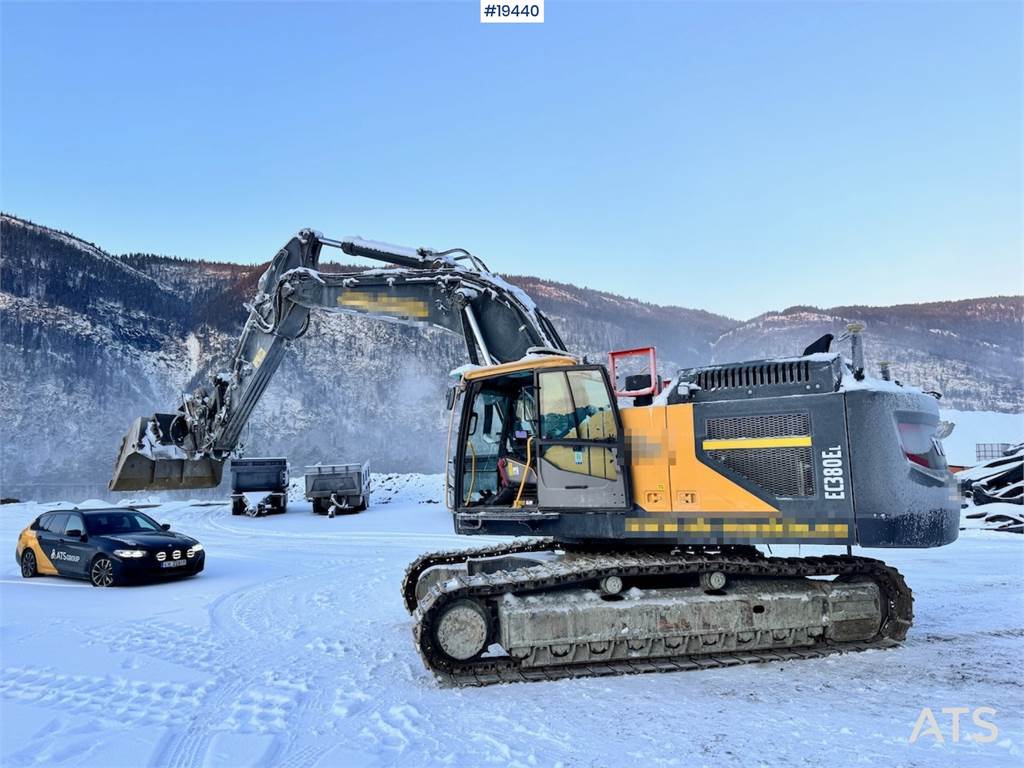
x: 638, y: 511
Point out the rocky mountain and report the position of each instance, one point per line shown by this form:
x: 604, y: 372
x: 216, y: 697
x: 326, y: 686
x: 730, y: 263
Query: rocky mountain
x: 89, y: 340
x: 972, y: 350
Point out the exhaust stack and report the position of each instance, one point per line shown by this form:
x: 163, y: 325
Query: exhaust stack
x: 857, y: 347
x: 148, y: 463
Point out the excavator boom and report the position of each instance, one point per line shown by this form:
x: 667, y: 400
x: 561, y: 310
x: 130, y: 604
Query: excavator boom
x: 452, y: 290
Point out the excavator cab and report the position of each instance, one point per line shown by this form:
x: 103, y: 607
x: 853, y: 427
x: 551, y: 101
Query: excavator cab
x: 542, y: 432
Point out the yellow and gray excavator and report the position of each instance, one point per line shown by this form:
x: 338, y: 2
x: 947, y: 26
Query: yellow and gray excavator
x: 639, y: 506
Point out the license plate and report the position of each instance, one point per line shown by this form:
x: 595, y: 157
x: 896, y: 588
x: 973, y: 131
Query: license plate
x: 173, y: 563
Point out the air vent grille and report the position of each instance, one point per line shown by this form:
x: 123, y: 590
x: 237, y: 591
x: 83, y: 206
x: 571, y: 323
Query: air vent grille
x: 784, y: 471
x: 758, y: 375
x: 772, y: 425
x: 780, y: 471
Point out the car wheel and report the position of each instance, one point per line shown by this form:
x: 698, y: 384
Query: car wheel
x: 28, y: 564
x: 101, y: 572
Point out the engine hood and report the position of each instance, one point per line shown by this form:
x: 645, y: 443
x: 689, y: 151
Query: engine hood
x: 153, y: 540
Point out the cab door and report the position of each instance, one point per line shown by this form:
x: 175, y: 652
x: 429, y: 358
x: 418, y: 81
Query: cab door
x: 580, y: 443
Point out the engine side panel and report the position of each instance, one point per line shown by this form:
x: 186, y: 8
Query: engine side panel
x: 741, y: 472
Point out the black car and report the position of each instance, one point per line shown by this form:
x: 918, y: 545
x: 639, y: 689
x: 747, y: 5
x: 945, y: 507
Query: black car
x: 106, y: 546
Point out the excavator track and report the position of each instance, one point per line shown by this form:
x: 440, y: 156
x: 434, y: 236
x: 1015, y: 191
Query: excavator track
x: 457, y: 556
x: 416, y: 568
x: 587, y: 568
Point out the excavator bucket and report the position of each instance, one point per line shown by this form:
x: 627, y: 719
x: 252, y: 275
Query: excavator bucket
x: 145, y: 464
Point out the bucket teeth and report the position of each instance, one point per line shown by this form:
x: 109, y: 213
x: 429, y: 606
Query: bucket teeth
x: 141, y: 467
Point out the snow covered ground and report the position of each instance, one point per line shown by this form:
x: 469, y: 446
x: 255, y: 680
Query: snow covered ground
x: 293, y: 649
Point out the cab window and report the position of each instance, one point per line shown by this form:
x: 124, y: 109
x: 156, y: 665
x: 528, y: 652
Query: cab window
x: 590, y: 394
x: 575, y: 405
x: 557, y: 412
x: 576, y: 412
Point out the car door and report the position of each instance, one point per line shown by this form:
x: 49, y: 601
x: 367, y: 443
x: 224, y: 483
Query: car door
x: 581, y: 446
x: 41, y: 528
x: 51, y: 529
x: 76, y: 553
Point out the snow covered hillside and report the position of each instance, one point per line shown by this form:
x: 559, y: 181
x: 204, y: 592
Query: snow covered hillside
x: 89, y: 341
x: 293, y: 649
x: 969, y: 350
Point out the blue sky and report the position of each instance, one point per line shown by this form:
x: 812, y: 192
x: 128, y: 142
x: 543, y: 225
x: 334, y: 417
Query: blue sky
x: 729, y: 156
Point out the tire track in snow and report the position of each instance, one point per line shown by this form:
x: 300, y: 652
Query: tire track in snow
x: 187, y: 748
x: 305, y: 757
x: 111, y: 698
x: 259, y: 698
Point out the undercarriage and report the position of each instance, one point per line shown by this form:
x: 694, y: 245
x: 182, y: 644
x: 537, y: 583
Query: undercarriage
x: 538, y: 610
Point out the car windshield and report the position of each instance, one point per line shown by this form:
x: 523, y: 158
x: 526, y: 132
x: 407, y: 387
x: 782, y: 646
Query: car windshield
x: 117, y: 521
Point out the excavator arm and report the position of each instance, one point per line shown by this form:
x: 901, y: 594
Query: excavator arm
x: 452, y: 290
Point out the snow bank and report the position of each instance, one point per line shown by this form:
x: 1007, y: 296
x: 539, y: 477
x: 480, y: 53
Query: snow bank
x: 411, y: 488
x: 998, y: 516
x: 388, y: 488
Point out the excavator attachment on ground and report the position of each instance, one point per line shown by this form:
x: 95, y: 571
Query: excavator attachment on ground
x: 147, y: 465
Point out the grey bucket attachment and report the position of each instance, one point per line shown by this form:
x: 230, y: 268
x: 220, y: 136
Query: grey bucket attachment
x: 145, y: 464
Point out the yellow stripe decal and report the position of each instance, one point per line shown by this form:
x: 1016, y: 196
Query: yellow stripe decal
x: 796, y: 441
